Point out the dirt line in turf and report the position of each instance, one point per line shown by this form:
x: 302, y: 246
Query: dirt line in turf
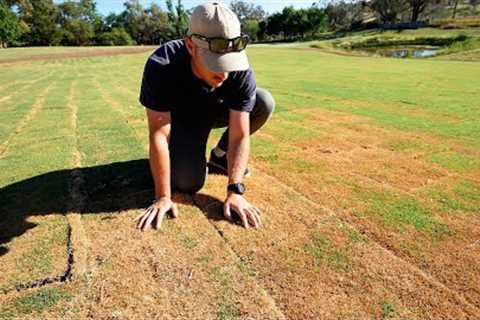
x: 65, y: 276
x: 267, y: 294
x: 79, y: 240
x: 413, y: 268
x: 23, y: 123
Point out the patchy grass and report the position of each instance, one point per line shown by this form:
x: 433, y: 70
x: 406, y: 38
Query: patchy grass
x: 400, y: 212
x: 228, y: 312
x: 456, y: 162
x: 190, y: 243
x: 322, y: 250
x: 41, y: 300
x: 387, y: 309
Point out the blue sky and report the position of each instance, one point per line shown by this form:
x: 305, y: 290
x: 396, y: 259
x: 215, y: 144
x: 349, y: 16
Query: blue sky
x: 107, y: 6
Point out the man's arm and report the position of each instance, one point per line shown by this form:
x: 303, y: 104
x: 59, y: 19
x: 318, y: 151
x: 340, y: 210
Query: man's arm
x: 238, y: 152
x: 238, y: 145
x: 159, y: 137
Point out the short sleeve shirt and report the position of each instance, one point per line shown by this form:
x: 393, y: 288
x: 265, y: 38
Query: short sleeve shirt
x: 169, y: 84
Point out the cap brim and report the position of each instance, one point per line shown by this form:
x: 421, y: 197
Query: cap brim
x: 226, y: 62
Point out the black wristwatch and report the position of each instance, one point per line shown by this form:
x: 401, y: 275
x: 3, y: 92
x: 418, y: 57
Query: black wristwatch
x: 238, y: 188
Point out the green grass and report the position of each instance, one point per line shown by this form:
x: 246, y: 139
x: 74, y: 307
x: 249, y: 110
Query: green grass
x: 41, y: 300
x: 387, y: 309
x: 400, y: 211
x: 190, y: 243
x: 228, y: 312
x: 322, y: 250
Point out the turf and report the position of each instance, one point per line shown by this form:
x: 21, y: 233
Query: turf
x: 367, y: 173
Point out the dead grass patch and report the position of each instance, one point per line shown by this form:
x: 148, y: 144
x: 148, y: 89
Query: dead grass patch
x: 332, y: 278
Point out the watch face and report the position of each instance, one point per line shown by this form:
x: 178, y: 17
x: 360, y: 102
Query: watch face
x: 238, y: 188
x: 241, y: 188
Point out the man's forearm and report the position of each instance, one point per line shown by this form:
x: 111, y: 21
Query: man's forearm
x: 238, y: 152
x: 160, y: 166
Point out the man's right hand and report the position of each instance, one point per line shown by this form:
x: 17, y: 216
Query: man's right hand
x: 157, y: 210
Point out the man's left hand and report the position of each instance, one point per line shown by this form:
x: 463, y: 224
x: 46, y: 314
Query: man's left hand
x: 249, y: 214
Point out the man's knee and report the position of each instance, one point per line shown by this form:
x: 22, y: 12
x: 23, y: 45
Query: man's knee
x: 265, y: 102
x: 188, y: 182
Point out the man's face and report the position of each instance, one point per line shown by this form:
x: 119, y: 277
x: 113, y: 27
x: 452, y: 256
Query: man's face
x: 213, y: 79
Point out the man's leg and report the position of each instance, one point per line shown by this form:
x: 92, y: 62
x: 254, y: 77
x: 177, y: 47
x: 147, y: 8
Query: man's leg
x: 263, y: 109
x: 187, y: 156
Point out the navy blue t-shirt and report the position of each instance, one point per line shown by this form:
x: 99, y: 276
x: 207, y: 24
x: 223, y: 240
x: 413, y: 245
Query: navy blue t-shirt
x: 169, y: 84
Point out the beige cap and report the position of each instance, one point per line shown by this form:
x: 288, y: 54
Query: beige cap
x: 214, y: 19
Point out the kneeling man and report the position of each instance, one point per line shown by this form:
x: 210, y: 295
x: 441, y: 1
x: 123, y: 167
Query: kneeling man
x: 190, y: 86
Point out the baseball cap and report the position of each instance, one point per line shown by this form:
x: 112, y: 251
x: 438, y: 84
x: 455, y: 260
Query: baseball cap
x: 215, y: 20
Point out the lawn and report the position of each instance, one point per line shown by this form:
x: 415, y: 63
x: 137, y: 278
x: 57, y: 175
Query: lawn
x: 368, y: 175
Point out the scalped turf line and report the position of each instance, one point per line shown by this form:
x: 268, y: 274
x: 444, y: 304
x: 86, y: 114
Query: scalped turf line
x: 296, y: 294
x: 21, y: 200
x: 80, y: 244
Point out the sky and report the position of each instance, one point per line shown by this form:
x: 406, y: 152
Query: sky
x: 271, y: 6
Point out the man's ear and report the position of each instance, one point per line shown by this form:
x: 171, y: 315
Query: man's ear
x: 190, y: 46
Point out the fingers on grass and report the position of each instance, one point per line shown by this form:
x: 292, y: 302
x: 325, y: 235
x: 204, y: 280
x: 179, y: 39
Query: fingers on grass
x: 151, y: 217
x: 227, y: 213
x: 143, y: 222
x: 158, y: 222
x: 243, y: 216
x: 252, y: 217
x: 174, y: 211
x: 140, y: 218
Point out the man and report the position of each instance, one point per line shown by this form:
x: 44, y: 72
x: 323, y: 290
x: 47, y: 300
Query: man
x: 189, y: 87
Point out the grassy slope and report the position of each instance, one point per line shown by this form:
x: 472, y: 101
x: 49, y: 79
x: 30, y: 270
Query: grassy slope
x: 390, y: 146
x: 464, y: 51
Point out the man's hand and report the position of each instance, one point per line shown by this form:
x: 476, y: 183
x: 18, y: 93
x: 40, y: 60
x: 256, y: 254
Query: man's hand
x: 157, y: 210
x: 248, y: 213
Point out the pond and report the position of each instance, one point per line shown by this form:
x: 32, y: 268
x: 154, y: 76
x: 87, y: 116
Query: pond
x: 404, y: 52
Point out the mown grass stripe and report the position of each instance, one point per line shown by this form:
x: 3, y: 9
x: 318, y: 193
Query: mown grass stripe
x: 103, y: 134
x: 38, y: 191
x: 14, y: 111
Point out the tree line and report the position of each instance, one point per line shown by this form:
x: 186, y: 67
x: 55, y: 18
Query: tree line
x: 78, y: 23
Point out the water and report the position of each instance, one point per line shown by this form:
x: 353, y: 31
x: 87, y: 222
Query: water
x: 404, y: 52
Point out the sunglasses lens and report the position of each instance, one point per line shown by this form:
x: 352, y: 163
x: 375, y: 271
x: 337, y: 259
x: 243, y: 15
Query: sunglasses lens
x: 219, y: 45
x: 240, y: 43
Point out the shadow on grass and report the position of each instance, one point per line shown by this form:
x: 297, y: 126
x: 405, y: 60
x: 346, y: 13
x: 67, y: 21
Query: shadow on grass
x: 107, y: 188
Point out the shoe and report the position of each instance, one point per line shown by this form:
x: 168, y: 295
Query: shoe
x: 220, y: 165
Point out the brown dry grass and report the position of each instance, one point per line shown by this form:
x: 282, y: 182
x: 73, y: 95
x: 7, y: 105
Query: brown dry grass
x: 356, y: 156
x: 350, y: 283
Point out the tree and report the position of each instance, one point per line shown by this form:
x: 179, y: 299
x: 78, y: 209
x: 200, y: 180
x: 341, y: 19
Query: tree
x: 250, y: 17
x: 40, y: 17
x: 342, y: 15
x: 178, y: 18
x: 78, y: 21
x: 247, y: 11
x: 417, y: 7
x: 9, y: 25
x: 388, y: 11
x: 115, y: 37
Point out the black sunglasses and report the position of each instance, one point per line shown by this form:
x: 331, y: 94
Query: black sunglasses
x: 222, y: 45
